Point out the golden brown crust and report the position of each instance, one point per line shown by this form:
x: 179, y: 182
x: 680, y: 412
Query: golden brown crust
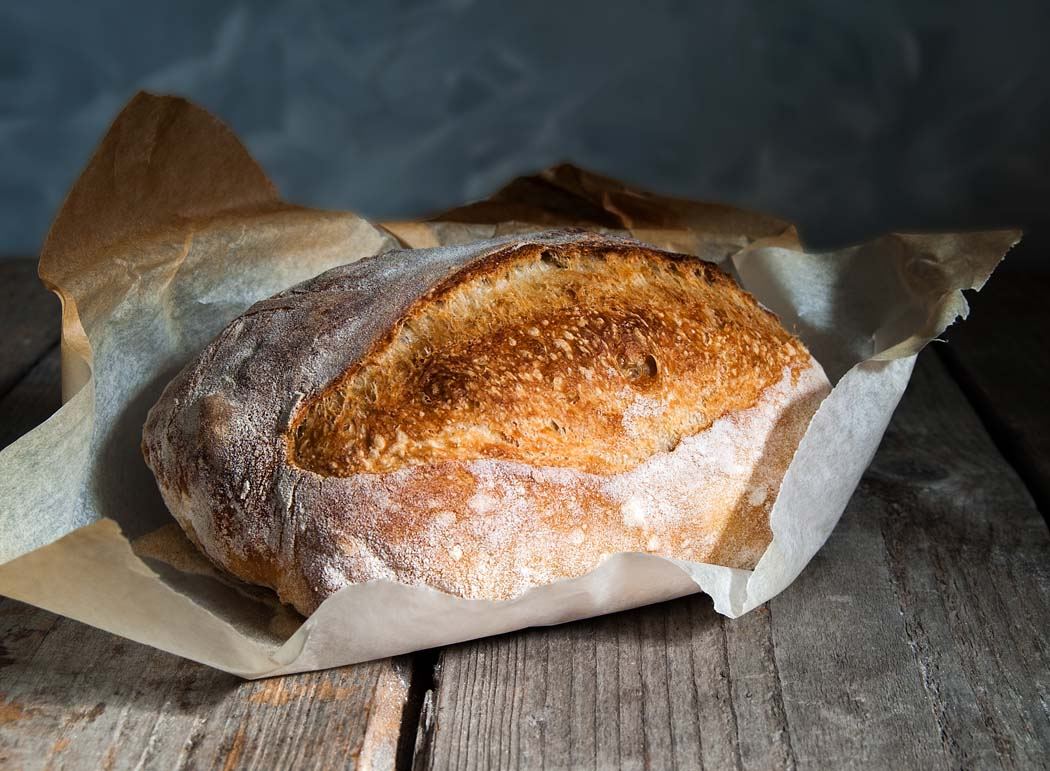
x: 550, y: 355
x: 675, y: 442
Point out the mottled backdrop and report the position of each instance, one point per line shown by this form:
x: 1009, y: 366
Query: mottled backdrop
x: 847, y: 117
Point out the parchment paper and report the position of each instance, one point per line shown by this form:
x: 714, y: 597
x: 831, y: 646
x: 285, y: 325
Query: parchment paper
x: 172, y: 230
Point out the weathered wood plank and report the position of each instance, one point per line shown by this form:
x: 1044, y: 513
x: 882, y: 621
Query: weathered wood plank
x: 1001, y: 357
x: 76, y: 697
x: 30, y: 319
x: 969, y: 557
x: 917, y: 638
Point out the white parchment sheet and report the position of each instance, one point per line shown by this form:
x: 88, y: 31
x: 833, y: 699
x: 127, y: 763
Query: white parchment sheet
x: 173, y: 230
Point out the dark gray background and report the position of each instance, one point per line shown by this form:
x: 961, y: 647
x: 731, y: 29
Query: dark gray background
x: 849, y: 118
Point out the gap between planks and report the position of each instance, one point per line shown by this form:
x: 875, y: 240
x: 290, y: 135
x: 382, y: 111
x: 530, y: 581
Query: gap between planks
x: 1027, y: 466
x: 1001, y: 360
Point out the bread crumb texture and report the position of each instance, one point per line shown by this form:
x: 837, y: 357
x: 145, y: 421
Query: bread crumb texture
x: 550, y: 355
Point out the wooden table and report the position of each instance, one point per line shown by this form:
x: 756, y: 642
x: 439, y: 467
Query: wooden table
x: 919, y: 637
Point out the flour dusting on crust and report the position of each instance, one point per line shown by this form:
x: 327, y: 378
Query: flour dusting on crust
x: 216, y: 441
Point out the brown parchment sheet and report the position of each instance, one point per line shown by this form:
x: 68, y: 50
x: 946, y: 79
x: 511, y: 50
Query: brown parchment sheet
x: 173, y: 230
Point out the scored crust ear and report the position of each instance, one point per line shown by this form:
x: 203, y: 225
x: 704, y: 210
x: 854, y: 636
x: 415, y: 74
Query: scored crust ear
x: 569, y: 355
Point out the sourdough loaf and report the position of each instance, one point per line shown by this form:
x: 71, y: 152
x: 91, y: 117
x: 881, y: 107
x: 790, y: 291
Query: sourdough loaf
x: 482, y: 419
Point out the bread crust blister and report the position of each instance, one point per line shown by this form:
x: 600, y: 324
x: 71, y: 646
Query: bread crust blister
x: 482, y: 419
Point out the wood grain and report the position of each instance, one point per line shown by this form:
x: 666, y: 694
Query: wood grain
x: 29, y: 319
x: 75, y: 697
x: 917, y: 638
x: 1001, y: 357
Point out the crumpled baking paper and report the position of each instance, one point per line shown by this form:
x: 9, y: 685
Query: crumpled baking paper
x: 172, y: 230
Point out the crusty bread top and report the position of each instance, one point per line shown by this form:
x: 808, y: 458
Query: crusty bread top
x: 250, y: 466
x: 552, y: 355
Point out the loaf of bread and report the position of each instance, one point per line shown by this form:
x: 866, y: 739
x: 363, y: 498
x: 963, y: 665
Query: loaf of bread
x: 483, y: 419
